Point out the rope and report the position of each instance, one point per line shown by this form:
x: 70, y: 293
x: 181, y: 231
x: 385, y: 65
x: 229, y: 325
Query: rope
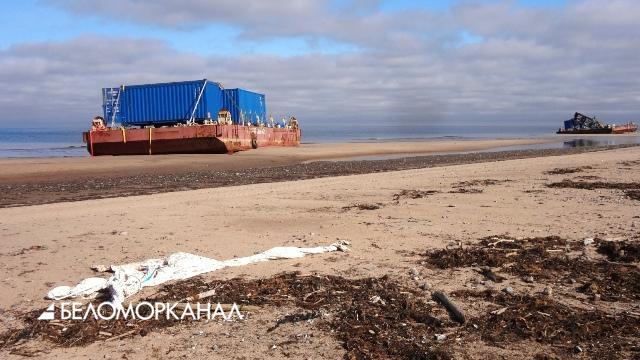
x: 124, y: 135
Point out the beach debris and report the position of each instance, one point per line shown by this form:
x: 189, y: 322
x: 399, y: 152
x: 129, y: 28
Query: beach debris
x: 100, y: 268
x: 499, y: 311
x: 129, y: 279
x: 453, y: 310
x: 560, y: 171
x: 630, y: 189
x: 342, y: 307
x: 547, y: 291
x: 489, y: 274
x: 377, y: 299
x: 545, y: 321
x: 363, y: 206
x: 526, y: 257
x: 480, y: 182
x: 528, y: 279
x: 588, y: 241
x: 623, y: 251
x: 509, y: 290
x: 297, y: 317
x: 440, y: 337
x: 425, y: 286
x: 27, y: 250
x: 413, y: 194
x: 466, y: 191
x: 87, y: 288
x: 633, y: 195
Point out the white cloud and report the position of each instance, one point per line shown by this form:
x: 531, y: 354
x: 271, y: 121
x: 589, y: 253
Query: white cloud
x: 533, y: 63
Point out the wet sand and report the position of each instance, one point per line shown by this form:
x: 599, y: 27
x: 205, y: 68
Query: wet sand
x: 42, y: 181
x: 50, y: 169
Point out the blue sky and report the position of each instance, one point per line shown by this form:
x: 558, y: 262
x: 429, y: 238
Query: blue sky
x: 37, y: 21
x: 467, y: 61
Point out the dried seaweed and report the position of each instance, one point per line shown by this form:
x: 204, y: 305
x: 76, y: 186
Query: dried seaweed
x: 545, y: 258
x: 413, y: 194
x: 560, y: 171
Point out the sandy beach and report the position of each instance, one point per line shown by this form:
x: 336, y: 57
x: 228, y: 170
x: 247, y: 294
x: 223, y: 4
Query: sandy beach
x: 394, y: 221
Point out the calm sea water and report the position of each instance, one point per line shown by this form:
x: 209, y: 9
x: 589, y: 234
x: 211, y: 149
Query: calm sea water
x: 68, y: 142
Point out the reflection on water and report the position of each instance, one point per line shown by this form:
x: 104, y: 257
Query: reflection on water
x: 593, y: 141
x: 600, y: 142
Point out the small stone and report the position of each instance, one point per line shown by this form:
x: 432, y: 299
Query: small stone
x: 509, y: 290
x: 123, y: 233
x: 528, y: 279
x: 587, y: 241
x: 416, y: 278
x: 414, y: 272
x: 440, y: 337
x: 425, y: 286
x: 596, y: 297
x: 577, y: 349
x: 100, y: 268
x: 547, y: 291
x: 372, y: 332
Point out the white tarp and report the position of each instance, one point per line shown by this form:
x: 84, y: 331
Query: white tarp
x: 129, y: 279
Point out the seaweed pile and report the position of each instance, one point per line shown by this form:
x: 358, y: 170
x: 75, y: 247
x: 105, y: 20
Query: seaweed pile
x: 550, y: 258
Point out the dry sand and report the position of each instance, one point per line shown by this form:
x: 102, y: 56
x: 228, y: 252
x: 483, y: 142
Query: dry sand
x: 240, y: 221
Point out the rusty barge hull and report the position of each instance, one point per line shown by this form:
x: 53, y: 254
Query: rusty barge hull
x: 196, y: 139
x: 623, y: 129
x: 585, y: 131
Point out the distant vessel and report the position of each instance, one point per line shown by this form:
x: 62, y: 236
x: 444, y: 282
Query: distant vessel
x: 582, y: 124
x: 626, y: 128
x: 172, y: 118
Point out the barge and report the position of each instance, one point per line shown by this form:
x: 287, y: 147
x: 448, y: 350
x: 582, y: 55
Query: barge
x: 176, y: 118
x: 582, y: 124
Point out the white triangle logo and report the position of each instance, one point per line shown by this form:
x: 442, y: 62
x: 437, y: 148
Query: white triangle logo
x: 48, y: 314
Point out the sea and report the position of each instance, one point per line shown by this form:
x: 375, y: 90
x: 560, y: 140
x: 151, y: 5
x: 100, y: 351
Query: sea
x: 57, y: 142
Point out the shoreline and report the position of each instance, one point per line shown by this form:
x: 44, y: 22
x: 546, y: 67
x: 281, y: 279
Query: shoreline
x: 27, y: 189
x: 38, y: 169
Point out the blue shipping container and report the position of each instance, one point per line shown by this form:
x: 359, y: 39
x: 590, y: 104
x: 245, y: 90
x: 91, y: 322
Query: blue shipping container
x: 165, y: 103
x: 245, y: 105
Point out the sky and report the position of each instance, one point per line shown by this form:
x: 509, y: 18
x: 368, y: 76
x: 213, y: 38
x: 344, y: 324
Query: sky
x: 330, y: 61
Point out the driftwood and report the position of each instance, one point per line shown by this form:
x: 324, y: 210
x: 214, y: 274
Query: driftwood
x: 453, y: 310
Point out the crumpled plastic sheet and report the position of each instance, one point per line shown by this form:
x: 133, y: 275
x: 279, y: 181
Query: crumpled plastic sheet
x: 129, y: 279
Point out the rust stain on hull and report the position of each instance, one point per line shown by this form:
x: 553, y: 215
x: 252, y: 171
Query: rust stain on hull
x: 197, y: 139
